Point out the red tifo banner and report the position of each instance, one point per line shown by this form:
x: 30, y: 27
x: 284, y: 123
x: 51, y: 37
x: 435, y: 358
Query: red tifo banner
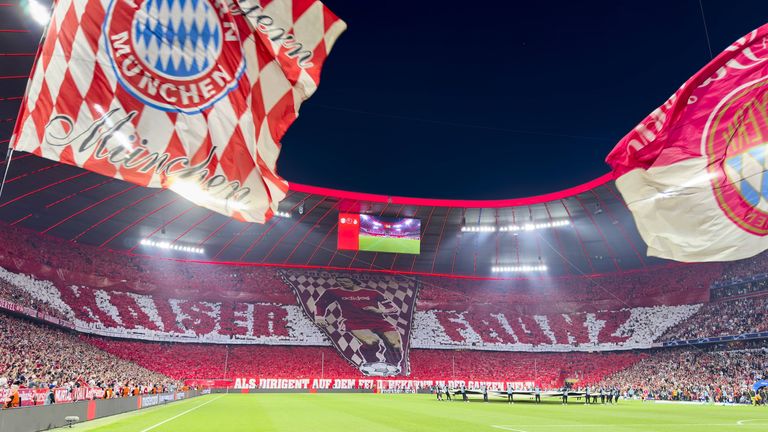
x: 194, y: 96
x: 247, y: 383
x: 693, y: 172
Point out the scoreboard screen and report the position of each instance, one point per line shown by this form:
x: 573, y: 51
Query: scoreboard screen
x: 379, y: 234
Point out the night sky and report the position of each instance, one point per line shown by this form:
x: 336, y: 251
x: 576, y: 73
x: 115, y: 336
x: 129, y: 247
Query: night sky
x: 495, y: 99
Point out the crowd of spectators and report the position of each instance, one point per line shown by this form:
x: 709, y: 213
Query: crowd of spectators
x: 739, y: 289
x: 693, y: 374
x: 159, y: 318
x: 20, y: 297
x: 548, y: 369
x: 189, y: 318
x: 681, y: 284
x: 204, y: 361
x: 78, y: 264
x: 498, y: 328
x: 35, y: 355
x: 745, y: 270
x: 185, y: 361
x: 723, y: 318
x: 40, y: 356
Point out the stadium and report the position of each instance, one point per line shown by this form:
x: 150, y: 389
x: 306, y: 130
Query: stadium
x: 137, y: 300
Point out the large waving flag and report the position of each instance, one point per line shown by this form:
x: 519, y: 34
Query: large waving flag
x: 368, y: 319
x: 191, y: 95
x: 693, y: 173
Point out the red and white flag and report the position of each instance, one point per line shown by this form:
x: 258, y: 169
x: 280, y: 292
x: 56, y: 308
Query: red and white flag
x: 693, y: 173
x: 191, y: 95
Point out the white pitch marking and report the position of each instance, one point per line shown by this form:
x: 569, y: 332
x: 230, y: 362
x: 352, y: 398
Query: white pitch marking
x: 179, y: 415
x: 741, y: 422
x: 510, y: 428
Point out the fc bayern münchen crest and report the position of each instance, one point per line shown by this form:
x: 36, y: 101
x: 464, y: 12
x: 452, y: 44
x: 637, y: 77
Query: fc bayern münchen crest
x: 736, y: 142
x: 174, y: 55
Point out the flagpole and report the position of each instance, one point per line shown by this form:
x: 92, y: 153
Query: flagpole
x: 226, y: 362
x: 23, y: 105
x: 7, y: 167
x: 226, y: 366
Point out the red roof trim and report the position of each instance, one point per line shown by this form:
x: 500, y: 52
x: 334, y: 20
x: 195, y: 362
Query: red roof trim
x: 433, y: 202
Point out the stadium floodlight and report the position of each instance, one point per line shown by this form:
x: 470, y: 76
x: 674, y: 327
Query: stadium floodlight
x: 38, y: 12
x: 519, y: 269
x: 172, y: 246
x: 282, y: 214
x: 479, y: 228
x: 535, y: 226
x: 516, y: 228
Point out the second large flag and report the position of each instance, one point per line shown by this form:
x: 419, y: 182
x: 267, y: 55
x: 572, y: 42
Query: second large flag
x: 693, y: 173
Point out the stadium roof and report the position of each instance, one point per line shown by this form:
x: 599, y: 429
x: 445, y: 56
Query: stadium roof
x: 73, y: 204
x: 77, y: 205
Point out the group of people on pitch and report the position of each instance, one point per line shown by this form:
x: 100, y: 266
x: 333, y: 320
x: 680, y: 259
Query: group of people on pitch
x: 610, y: 395
x: 441, y: 390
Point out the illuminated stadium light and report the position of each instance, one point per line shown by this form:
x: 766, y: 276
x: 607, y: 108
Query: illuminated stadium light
x: 535, y: 226
x: 38, y: 12
x: 282, y: 214
x: 516, y: 228
x: 479, y: 228
x: 172, y: 246
x: 519, y: 269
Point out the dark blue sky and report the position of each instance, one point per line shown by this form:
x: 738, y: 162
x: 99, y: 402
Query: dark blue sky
x: 495, y: 99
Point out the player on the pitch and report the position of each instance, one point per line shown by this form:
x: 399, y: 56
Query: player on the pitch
x: 364, y: 313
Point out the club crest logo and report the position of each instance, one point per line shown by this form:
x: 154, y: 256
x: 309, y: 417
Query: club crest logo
x: 736, y: 143
x: 174, y: 55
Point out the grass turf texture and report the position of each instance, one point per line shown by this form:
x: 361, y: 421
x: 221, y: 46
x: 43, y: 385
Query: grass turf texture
x: 389, y: 244
x: 372, y: 413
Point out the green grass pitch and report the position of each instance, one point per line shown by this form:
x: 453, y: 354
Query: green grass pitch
x: 388, y: 244
x: 422, y: 413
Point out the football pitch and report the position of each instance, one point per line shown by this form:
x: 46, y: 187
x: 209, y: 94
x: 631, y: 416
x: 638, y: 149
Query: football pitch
x: 389, y: 244
x: 381, y: 412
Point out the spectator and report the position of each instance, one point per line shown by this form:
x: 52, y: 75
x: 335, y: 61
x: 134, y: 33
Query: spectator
x: 723, y: 318
x: 692, y: 374
x: 37, y: 356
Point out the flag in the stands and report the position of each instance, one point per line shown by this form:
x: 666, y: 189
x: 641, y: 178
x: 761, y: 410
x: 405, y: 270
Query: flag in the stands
x: 368, y: 320
x: 693, y: 172
x: 188, y: 95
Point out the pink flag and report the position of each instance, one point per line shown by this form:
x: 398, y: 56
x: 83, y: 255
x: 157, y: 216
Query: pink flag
x: 191, y: 95
x: 693, y: 173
